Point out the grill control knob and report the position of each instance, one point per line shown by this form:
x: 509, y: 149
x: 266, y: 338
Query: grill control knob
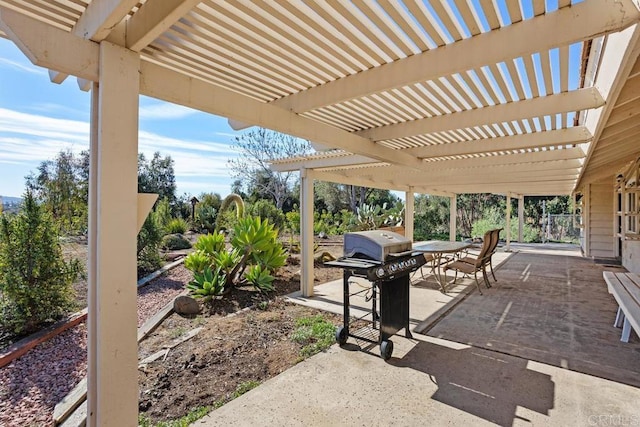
x: 380, y: 272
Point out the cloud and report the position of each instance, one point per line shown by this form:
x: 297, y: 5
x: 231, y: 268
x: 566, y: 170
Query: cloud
x: 31, y: 138
x: 17, y: 123
x: 7, y: 63
x: 197, y: 187
x: 164, y: 111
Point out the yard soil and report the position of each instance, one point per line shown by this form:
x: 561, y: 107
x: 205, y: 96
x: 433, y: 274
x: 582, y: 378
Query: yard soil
x: 229, y: 353
x: 234, y: 348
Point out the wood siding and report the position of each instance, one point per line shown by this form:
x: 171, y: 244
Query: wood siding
x: 600, y: 226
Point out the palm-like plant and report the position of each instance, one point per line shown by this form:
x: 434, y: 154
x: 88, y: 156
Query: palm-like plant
x: 210, y: 244
x: 254, y: 241
x: 197, y: 261
x: 207, y: 284
x: 259, y: 277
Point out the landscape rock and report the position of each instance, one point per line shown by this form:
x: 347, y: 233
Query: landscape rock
x: 186, y: 305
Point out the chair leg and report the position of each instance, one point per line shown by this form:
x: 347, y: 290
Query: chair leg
x: 475, y: 275
x: 492, y: 273
x: 485, y: 277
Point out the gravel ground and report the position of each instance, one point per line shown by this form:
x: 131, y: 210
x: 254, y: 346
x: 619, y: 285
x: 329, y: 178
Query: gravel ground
x: 32, y: 385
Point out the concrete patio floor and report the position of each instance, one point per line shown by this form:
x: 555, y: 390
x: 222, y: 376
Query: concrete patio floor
x: 537, y: 348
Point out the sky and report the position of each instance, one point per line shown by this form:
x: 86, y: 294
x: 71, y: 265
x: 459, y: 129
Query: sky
x: 38, y: 119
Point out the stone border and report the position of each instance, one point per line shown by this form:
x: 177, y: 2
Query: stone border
x: 145, y: 280
x: 21, y: 347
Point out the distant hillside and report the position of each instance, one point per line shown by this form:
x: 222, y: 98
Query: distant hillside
x: 6, y: 200
x: 11, y: 204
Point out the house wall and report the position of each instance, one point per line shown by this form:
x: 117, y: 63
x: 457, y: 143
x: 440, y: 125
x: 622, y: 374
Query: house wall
x: 631, y: 255
x: 600, y: 220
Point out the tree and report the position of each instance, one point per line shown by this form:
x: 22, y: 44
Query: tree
x: 472, y: 207
x: 431, y: 219
x: 62, y: 185
x: 157, y: 176
x: 257, y: 149
x: 35, y: 281
x: 335, y: 197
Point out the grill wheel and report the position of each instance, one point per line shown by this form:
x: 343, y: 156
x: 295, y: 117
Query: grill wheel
x: 386, y: 348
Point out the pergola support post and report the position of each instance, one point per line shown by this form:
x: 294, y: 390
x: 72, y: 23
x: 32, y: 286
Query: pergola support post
x: 453, y: 212
x: 112, y: 348
x: 508, y: 225
x: 306, y: 232
x: 521, y: 219
x: 409, y: 211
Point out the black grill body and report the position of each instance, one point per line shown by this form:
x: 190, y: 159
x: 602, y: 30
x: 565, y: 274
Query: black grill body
x: 389, y: 278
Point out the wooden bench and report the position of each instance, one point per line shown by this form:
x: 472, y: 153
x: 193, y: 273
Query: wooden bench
x: 625, y: 288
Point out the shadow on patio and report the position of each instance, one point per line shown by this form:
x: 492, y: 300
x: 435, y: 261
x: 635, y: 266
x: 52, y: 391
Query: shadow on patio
x: 485, y: 384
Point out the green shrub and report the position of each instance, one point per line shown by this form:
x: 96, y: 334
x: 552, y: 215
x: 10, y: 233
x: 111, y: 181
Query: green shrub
x: 494, y: 219
x: 35, y: 281
x: 272, y: 258
x: 175, y: 242
x: 163, y: 213
x: 205, y: 218
x: 226, y: 220
x: 176, y: 226
x: 149, y: 239
x: 293, y: 221
x: 266, y: 209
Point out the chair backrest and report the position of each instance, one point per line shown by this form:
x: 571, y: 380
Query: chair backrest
x: 495, y: 238
x: 487, y: 242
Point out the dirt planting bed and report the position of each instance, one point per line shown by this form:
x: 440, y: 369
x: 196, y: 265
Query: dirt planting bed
x: 230, y: 351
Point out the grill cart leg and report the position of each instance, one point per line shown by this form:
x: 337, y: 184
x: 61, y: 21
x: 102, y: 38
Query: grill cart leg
x: 374, y: 309
x: 341, y: 335
x: 386, y: 349
x: 342, y: 332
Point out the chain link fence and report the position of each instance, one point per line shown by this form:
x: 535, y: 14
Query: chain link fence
x: 561, y: 228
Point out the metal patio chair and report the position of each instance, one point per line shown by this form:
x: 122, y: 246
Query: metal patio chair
x: 473, y: 265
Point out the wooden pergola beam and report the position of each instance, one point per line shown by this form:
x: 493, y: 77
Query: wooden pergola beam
x: 538, y: 34
x: 577, y: 100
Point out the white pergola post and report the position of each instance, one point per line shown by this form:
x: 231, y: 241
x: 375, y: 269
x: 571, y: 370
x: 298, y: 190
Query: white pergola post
x: 508, y: 225
x: 113, y: 349
x: 453, y: 213
x: 306, y: 232
x: 409, y: 211
x: 521, y: 219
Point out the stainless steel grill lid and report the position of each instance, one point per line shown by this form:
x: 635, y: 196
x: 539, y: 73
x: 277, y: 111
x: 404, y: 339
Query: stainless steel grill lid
x: 376, y: 245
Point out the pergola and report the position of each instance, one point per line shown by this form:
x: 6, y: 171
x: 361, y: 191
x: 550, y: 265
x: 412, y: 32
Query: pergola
x: 518, y: 97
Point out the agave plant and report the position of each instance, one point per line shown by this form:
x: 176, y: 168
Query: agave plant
x: 252, y: 234
x: 207, y: 284
x: 210, y: 244
x: 273, y: 258
x: 197, y: 261
x: 259, y: 277
x: 227, y: 261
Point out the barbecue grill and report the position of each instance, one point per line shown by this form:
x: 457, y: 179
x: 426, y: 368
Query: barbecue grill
x: 385, y: 259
